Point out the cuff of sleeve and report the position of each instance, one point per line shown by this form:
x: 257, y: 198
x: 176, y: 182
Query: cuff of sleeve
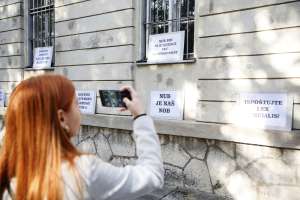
x: 143, y: 125
x: 144, y: 114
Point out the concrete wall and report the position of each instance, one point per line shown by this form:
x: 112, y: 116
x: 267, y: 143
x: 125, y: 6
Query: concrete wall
x: 241, y: 46
x: 205, y: 169
x: 11, y: 44
x: 94, y: 45
x: 248, y: 46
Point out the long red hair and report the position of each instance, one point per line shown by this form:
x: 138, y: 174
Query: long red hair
x: 35, y: 144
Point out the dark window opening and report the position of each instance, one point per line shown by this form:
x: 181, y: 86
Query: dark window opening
x: 166, y: 16
x: 41, y: 14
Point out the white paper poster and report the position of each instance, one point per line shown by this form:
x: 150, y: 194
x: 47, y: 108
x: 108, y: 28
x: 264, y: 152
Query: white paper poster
x: 265, y: 110
x: 166, y: 105
x: 2, y: 98
x: 166, y: 47
x: 86, y: 101
x: 42, y: 57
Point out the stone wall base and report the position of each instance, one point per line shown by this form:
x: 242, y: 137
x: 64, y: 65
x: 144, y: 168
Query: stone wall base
x: 205, y: 169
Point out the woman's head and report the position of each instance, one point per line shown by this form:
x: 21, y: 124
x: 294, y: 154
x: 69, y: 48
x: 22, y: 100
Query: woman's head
x: 41, y: 117
x: 45, y: 100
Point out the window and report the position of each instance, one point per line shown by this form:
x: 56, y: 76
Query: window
x: 165, y: 16
x: 41, y: 26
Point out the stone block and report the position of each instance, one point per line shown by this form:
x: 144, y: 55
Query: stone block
x: 173, y: 176
x: 103, y: 148
x: 197, y: 176
x: 87, y: 132
x: 195, y: 147
x: 220, y: 166
x: 87, y: 146
x: 157, y: 194
x: 277, y: 192
x: 220, y: 189
x: 210, y: 142
x: 176, y: 195
x: 249, y: 153
x: 106, y: 132
x: 227, y: 147
x: 241, y: 187
x: 122, y: 144
x: 271, y: 171
x: 291, y: 157
x: 174, y: 154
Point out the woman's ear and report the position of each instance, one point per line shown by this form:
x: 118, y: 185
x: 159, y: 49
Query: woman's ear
x: 61, y: 114
x: 62, y: 119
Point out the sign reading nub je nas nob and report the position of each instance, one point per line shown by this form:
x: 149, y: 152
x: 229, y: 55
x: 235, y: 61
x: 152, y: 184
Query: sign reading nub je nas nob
x: 265, y: 110
x: 166, y: 105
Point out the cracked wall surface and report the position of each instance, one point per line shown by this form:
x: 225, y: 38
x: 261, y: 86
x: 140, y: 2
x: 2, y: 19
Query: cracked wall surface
x: 205, y: 169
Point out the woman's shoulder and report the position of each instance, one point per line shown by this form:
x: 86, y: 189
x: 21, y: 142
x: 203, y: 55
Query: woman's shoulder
x: 84, y: 164
x: 87, y: 160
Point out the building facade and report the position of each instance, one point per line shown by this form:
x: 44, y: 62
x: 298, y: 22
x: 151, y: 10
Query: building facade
x: 230, y: 47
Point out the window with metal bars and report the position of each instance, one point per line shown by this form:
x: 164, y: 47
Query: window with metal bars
x: 41, y: 14
x: 165, y: 16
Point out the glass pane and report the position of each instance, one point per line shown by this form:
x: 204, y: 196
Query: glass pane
x: 183, y: 27
x: 160, y: 11
x: 166, y: 28
x: 166, y: 9
x: 153, y: 29
x: 191, y: 37
x: 184, y: 6
x: 160, y: 28
x: 152, y: 10
x: 191, y: 8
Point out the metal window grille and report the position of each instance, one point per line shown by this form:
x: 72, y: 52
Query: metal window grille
x: 42, y: 15
x: 165, y: 16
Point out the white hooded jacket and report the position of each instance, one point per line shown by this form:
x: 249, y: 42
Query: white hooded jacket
x: 102, y: 180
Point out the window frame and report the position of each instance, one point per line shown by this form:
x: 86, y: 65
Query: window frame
x: 146, y: 23
x: 29, y: 29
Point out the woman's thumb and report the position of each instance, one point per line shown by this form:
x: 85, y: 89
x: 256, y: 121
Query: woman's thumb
x: 126, y: 101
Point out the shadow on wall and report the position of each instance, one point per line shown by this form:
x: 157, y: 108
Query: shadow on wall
x: 263, y: 60
x: 255, y: 50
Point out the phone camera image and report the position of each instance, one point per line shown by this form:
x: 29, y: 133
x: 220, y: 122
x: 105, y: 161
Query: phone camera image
x: 113, y: 98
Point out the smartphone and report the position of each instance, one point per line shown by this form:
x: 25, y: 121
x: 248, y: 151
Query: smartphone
x: 113, y: 98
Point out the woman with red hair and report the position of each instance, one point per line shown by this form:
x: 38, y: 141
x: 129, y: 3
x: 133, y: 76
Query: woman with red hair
x: 38, y: 160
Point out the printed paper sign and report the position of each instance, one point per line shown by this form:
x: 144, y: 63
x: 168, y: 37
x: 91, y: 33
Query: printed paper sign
x: 42, y: 57
x: 166, y: 105
x: 2, y: 98
x: 86, y: 101
x: 166, y: 47
x: 264, y: 110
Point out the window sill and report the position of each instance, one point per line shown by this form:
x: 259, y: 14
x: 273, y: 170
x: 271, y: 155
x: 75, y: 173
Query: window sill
x: 141, y: 63
x: 186, y: 128
x: 39, y: 69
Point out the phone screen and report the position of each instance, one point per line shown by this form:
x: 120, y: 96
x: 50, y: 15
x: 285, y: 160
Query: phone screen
x: 113, y: 98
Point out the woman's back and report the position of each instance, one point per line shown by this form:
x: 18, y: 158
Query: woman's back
x: 69, y: 173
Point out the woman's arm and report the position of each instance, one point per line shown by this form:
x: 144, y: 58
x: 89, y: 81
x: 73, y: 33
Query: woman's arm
x: 110, y: 182
x: 130, y: 182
